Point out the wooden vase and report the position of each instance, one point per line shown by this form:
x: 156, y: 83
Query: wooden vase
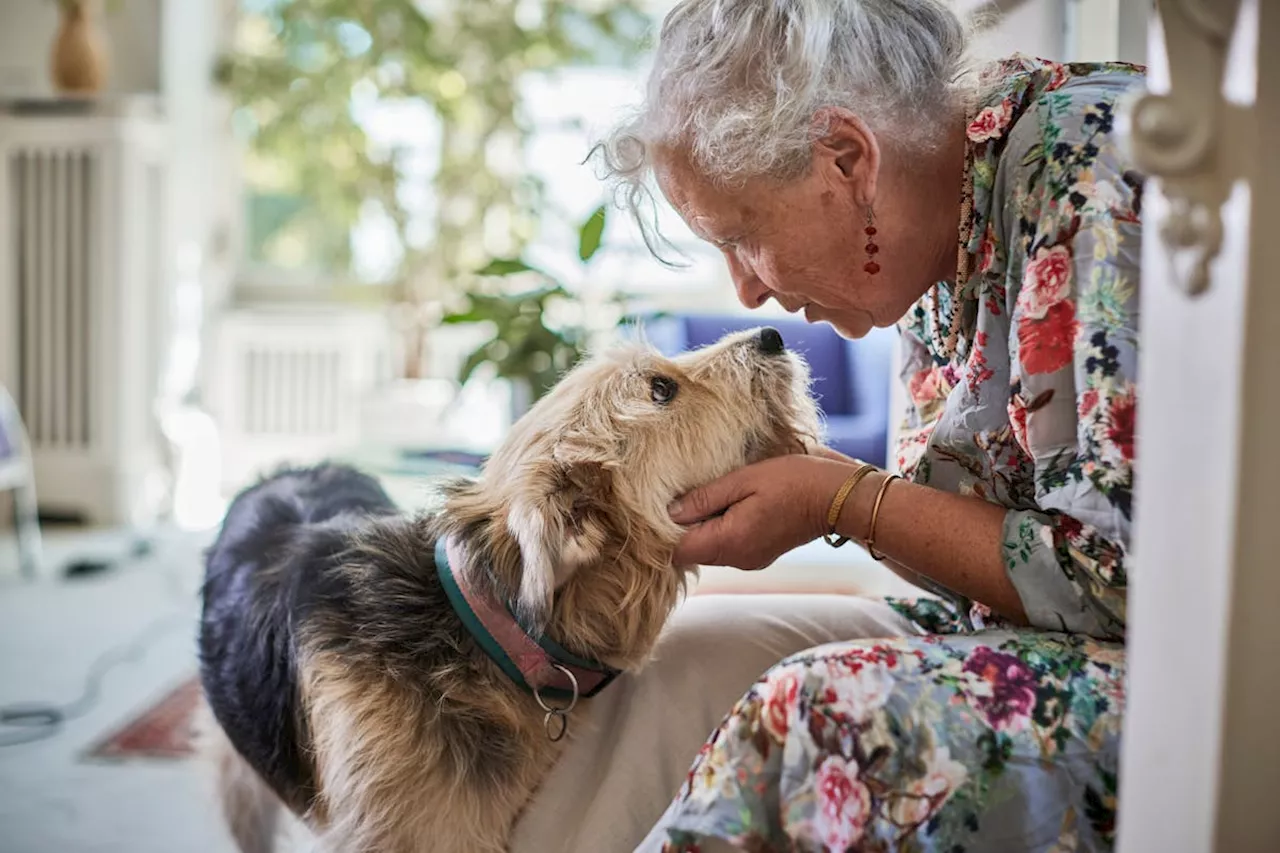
x: 79, y: 59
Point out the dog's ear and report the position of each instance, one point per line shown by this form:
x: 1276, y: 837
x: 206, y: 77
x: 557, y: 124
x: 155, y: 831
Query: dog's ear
x: 561, y: 524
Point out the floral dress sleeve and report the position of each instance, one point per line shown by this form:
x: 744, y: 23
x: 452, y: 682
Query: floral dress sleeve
x: 1071, y: 222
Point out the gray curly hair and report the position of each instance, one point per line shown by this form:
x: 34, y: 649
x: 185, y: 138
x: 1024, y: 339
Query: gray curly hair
x: 737, y: 85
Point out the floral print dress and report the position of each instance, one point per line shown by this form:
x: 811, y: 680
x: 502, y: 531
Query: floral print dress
x: 974, y: 736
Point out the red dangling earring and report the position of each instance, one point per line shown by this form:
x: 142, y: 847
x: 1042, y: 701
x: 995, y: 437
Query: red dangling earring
x: 871, y: 267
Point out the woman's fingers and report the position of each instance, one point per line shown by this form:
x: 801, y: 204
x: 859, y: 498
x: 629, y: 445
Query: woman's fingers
x: 703, y: 544
x: 712, y: 499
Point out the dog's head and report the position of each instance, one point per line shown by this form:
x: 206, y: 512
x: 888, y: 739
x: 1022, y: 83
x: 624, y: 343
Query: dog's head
x: 571, y: 512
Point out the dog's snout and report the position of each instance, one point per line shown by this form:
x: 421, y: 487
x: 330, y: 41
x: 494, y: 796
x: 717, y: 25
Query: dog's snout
x: 770, y: 341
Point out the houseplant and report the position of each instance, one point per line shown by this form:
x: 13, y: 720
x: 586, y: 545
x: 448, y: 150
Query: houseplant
x: 306, y: 74
x: 530, y: 346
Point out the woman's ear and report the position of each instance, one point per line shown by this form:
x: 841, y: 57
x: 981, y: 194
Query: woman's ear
x: 847, y: 150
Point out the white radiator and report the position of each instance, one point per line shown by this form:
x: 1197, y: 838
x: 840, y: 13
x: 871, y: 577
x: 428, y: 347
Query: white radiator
x: 288, y: 384
x: 83, y: 306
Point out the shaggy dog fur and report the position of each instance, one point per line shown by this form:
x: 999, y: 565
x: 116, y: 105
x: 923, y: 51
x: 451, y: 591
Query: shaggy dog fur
x: 342, y: 682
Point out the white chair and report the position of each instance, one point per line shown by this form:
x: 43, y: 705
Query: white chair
x: 18, y: 476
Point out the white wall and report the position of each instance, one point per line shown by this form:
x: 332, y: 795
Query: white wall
x: 166, y: 48
x: 204, y: 181
x: 1099, y: 30
x: 1067, y: 30
x: 28, y: 28
x: 1034, y: 27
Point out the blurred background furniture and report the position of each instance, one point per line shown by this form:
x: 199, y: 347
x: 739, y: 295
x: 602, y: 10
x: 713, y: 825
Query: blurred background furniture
x: 287, y: 382
x: 85, y: 290
x: 17, y: 476
x: 850, y: 378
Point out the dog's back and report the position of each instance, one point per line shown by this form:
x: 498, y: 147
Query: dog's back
x: 278, y: 543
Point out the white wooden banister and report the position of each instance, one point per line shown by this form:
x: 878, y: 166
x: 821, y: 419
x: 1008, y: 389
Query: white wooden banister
x: 1191, y: 137
x: 1201, y: 760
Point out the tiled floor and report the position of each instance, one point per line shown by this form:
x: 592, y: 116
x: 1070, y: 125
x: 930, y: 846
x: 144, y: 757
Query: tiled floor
x: 53, y: 800
x: 51, y: 632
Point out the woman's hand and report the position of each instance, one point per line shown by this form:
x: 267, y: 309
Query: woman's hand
x: 749, y: 518
x: 752, y: 516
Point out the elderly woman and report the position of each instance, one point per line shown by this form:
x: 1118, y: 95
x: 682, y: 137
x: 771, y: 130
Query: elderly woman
x: 848, y: 164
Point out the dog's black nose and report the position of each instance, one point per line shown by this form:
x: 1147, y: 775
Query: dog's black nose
x: 770, y: 341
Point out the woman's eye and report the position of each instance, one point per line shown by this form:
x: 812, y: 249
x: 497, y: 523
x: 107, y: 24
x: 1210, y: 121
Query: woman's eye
x: 662, y: 389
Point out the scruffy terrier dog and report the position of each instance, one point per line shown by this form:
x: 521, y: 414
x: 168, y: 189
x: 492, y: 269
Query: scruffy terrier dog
x: 388, y: 677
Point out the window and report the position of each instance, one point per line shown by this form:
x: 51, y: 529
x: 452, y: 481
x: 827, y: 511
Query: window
x: 572, y: 109
x: 309, y: 223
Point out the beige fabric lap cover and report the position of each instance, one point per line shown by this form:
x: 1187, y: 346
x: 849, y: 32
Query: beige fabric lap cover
x: 630, y: 748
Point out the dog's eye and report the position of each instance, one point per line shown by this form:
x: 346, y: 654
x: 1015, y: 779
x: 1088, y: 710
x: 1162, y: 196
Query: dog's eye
x: 663, y: 389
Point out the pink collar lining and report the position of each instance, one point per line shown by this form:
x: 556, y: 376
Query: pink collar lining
x: 536, y: 664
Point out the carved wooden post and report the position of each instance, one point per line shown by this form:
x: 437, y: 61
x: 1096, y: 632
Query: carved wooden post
x: 1201, y: 762
x: 1189, y: 136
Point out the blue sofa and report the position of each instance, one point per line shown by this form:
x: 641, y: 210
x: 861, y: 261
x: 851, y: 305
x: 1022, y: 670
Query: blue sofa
x: 850, y: 378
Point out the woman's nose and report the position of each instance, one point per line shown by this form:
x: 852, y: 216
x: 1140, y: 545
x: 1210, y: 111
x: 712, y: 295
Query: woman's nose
x: 752, y: 292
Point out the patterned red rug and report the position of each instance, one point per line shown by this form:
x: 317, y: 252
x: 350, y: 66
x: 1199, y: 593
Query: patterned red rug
x: 162, y: 731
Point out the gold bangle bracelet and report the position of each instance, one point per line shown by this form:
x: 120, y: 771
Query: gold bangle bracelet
x: 875, y: 516
x: 837, y: 504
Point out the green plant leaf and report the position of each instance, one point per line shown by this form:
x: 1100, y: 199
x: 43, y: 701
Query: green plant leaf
x: 498, y: 309
x: 590, y: 234
x: 471, y: 315
x: 504, y: 266
x: 477, y: 358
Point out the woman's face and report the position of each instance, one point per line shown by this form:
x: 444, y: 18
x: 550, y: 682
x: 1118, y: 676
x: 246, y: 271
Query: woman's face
x: 804, y: 243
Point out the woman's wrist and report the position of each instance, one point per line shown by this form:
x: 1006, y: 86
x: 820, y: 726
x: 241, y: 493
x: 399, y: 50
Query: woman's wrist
x: 855, y: 516
x: 825, y: 493
x: 850, y: 494
x: 860, y: 471
x: 953, y: 541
